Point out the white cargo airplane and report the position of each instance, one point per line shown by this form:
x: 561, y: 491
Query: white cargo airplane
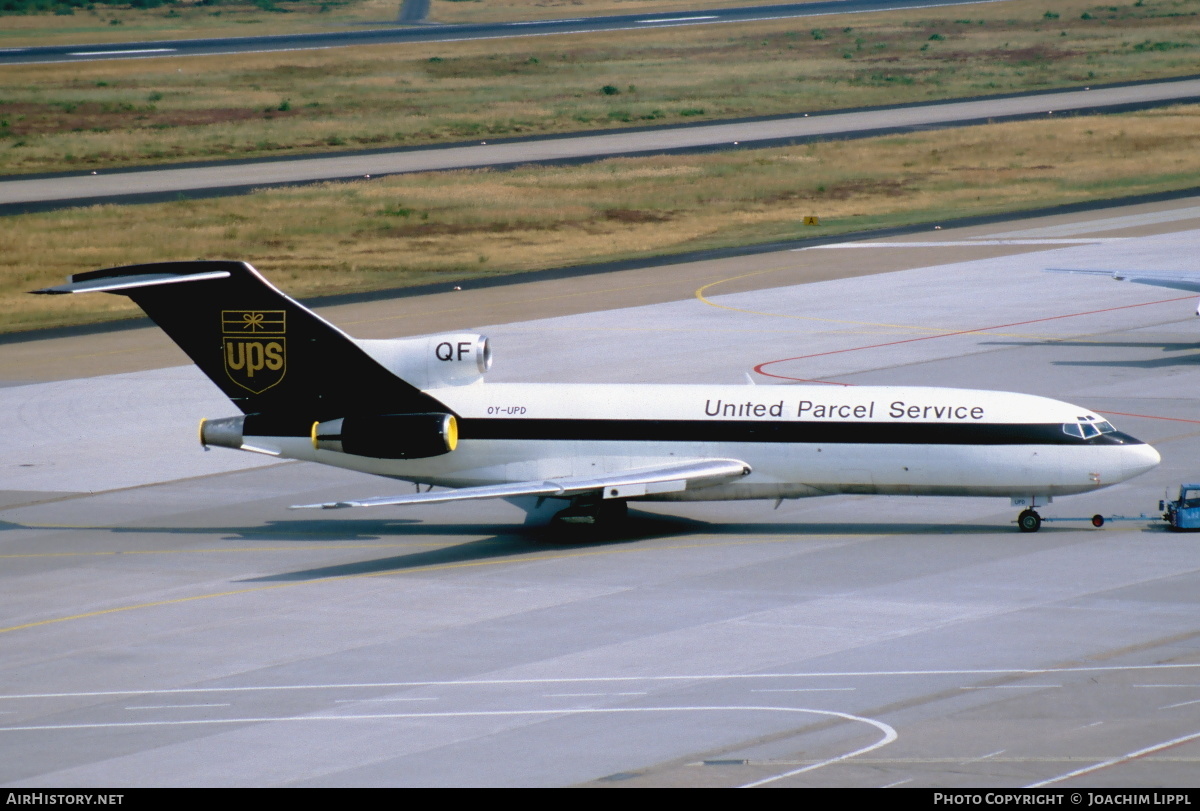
x: 417, y: 409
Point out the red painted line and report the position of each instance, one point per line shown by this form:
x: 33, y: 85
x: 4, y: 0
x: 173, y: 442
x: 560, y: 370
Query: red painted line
x: 804, y: 380
x: 1148, y: 416
x: 759, y: 368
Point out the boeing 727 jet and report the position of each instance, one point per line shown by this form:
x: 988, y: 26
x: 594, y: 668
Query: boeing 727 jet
x: 418, y: 409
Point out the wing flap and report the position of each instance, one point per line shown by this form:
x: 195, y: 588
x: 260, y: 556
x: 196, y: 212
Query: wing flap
x: 1175, y: 279
x: 626, y: 484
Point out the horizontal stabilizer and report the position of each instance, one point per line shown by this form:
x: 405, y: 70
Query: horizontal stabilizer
x: 113, y: 284
x: 267, y: 352
x: 627, y: 484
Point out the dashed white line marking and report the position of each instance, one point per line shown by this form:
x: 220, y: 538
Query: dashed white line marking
x: 589, y: 695
x: 173, y: 706
x: 983, y: 757
x: 379, y: 700
x: 679, y: 19
x: 964, y: 243
x: 1012, y: 687
x: 123, y: 53
x: 898, y: 783
x: 1180, y: 704
x: 804, y: 690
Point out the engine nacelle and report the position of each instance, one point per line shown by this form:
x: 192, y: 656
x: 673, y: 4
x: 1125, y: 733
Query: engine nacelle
x: 454, y: 359
x: 388, y: 436
x: 227, y: 432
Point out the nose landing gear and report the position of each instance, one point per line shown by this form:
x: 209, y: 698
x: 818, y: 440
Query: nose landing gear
x: 1029, y: 521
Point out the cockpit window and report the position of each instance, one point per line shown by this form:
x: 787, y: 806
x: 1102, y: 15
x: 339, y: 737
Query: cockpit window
x: 1087, y: 427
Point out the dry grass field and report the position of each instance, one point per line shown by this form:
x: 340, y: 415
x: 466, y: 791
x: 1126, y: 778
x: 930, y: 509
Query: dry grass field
x: 457, y: 226
x: 136, y: 112
x: 460, y: 225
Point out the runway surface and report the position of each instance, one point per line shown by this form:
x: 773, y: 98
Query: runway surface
x: 18, y: 194
x: 390, y: 33
x: 164, y: 620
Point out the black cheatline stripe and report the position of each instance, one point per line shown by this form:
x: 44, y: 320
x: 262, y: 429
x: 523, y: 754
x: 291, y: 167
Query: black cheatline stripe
x: 832, y: 433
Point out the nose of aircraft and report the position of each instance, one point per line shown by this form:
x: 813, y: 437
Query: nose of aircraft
x: 1137, y: 459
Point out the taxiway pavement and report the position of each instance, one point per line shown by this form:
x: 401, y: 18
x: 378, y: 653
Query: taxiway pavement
x: 387, y: 32
x: 19, y: 194
x: 164, y: 620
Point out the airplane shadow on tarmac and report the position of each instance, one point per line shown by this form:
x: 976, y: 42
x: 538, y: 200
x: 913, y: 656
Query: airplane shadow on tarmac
x: 514, y: 541
x: 509, y: 542
x: 1149, y: 363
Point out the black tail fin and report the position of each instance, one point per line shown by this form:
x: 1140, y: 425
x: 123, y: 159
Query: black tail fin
x: 269, y: 354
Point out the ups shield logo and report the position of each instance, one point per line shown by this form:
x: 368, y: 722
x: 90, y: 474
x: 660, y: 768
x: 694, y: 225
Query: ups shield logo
x: 254, y: 347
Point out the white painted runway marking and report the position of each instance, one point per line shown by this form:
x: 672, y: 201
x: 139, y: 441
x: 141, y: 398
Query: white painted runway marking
x: 804, y: 689
x: 898, y: 783
x: 174, y: 706
x: 590, y: 695
x: 984, y: 757
x: 1180, y: 704
x: 448, y: 714
x: 961, y: 243
x: 381, y: 700
x: 889, y: 734
x: 1011, y: 687
x: 1106, y: 224
x: 613, y: 679
x: 1149, y: 750
x: 123, y: 53
x: 680, y: 19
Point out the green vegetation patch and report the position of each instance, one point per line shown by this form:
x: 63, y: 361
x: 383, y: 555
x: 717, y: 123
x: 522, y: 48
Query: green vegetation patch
x: 452, y: 226
x: 94, y: 116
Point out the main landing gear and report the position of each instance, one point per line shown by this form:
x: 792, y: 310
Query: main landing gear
x: 606, y: 512
x: 1029, y: 521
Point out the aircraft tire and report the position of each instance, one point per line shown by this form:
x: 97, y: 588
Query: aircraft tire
x: 605, y: 513
x: 1029, y: 521
x: 613, y: 511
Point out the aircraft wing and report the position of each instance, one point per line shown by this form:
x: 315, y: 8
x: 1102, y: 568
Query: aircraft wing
x: 670, y: 478
x: 1177, y: 279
